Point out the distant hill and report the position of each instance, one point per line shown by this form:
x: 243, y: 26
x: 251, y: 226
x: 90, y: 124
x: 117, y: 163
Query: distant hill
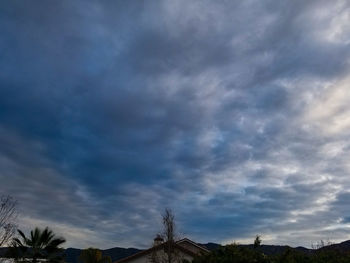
x: 276, y: 249
x: 72, y: 254
x: 2, y: 251
x: 210, y: 246
x: 341, y: 247
x: 116, y: 253
x: 266, y: 249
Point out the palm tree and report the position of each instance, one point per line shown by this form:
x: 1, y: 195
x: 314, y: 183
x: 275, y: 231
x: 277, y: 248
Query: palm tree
x: 42, y: 245
x: 93, y: 255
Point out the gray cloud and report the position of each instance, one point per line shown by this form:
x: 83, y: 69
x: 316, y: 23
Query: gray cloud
x: 232, y: 113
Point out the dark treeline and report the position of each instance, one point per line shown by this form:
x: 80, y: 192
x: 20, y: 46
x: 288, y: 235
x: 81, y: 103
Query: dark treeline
x: 42, y: 245
x: 240, y: 254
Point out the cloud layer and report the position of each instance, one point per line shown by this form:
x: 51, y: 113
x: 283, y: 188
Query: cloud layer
x: 234, y: 114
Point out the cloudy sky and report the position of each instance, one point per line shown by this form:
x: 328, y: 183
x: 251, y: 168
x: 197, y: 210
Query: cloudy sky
x: 235, y: 114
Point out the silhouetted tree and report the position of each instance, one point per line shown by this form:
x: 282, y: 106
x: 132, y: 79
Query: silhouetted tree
x: 8, y: 215
x: 233, y: 254
x: 93, y: 255
x: 169, y: 254
x: 257, y: 241
x: 169, y: 225
x: 42, y: 245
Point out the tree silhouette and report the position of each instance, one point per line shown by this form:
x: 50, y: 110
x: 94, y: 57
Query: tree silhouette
x: 93, y: 255
x: 42, y: 245
x: 8, y: 215
x: 169, y: 253
x: 257, y: 241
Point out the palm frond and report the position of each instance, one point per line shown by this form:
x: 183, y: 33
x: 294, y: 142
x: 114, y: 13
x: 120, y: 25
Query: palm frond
x: 22, y: 235
x: 42, y: 244
x: 17, y: 242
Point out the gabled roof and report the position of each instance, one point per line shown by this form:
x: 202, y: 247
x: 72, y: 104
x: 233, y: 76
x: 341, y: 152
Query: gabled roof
x: 162, y: 246
x: 193, y: 243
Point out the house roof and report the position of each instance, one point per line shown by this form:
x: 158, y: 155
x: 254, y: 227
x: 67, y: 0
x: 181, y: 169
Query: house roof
x: 193, y: 243
x: 161, y: 246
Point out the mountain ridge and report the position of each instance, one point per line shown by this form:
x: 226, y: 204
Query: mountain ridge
x: 116, y: 253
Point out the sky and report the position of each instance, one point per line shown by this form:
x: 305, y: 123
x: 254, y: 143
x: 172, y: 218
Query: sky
x: 234, y: 114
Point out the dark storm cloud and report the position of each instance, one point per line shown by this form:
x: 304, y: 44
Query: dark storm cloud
x: 111, y: 111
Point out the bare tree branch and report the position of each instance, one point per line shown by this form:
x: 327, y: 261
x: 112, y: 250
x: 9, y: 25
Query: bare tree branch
x: 8, y: 216
x: 169, y: 254
x: 169, y: 225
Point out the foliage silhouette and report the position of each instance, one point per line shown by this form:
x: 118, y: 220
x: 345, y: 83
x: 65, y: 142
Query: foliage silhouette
x: 235, y: 253
x: 93, y: 255
x: 169, y: 236
x: 42, y: 245
x: 8, y: 215
x: 257, y: 241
